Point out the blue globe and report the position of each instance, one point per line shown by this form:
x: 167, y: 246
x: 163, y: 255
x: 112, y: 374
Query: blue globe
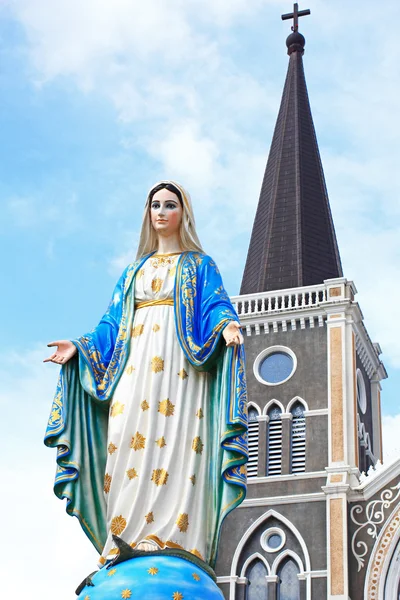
x: 152, y: 578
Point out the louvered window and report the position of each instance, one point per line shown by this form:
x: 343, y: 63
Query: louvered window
x: 253, y: 443
x: 298, y: 439
x: 274, y: 453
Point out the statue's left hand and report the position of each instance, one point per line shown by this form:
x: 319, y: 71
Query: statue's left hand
x: 232, y: 334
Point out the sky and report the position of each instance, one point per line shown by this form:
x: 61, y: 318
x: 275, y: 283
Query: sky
x: 98, y: 101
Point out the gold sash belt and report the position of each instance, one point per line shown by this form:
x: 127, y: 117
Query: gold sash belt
x: 145, y: 303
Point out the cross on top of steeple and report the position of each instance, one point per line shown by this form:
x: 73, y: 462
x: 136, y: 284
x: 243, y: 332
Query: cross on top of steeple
x: 295, y: 16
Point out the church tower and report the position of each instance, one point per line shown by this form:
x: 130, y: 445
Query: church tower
x: 315, y: 474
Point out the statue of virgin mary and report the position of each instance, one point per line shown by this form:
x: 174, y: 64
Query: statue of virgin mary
x: 149, y: 416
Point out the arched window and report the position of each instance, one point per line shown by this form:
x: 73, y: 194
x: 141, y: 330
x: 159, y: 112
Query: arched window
x: 257, y: 584
x: 253, y: 442
x: 298, y: 439
x: 288, y: 584
x: 274, y: 441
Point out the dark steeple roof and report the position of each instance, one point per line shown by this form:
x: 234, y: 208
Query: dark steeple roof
x: 293, y: 242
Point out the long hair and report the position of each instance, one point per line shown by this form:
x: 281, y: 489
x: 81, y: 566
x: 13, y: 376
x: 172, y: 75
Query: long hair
x: 148, y: 241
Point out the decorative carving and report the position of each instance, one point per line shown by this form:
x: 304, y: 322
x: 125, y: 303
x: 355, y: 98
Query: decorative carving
x: 374, y: 581
x: 374, y: 513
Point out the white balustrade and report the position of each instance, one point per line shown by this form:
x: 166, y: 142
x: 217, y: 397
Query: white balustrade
x: 277, y: 302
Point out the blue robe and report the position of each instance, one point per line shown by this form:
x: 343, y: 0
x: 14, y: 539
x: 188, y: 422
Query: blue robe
x: 79, y: 416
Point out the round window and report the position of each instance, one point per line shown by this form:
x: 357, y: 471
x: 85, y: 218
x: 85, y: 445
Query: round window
x: 275, y: 365
x: 361, y: 392
x: 273, y: 539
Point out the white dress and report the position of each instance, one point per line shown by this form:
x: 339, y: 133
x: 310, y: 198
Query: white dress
x: 157, y: 484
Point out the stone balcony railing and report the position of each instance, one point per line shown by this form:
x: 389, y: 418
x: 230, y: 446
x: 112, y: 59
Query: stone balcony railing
x: 294, y: 299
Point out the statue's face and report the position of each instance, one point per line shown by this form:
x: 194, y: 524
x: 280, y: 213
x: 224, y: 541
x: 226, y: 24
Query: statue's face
x: 165, y: 213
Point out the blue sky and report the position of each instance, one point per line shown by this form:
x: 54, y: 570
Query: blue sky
x: 100, y: 100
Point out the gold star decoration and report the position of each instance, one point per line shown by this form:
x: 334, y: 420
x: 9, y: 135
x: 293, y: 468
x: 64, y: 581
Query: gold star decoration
x: 112, y: 572
x: 138, y: 441
x: 171, y: 271
x: 149, y: 518
x: 137, y: 330
x: 129, y: 370
x: 117, y: 409
x: 160, y: 476
x: 197, y: 445
x: 153, y: 571
x: 200, y: 414
x: 161, y: 442
x: 126, y: 593
x: 132, y: 473
x: 156, y: 328
x: 118, y: 524
x: 183, y: 522
x: 177, y: 596
x: 166, y: 408
x: 243, y: 470
x: 55, y: 414
x: 157, y: 364
x: 145, y: 405
x: 112, y: 448
x: 182, y: 374
x: 156, y: 284
x: 193, y: 479
x: 196, y: 577
x: 107, y: 483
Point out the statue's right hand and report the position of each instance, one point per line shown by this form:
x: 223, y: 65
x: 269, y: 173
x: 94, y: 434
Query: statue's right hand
x: 65, y: 351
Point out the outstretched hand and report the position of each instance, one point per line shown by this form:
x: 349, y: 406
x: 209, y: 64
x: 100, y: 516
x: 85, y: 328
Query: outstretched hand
x: 65, y: 351
x: 232, y: 334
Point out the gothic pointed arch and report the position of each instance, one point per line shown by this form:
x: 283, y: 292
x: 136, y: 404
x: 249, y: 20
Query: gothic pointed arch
x: 294, y: 401
x: 271, y: 513
x: 274, y: 440
x: 297, y: 437
x: 253, y: 437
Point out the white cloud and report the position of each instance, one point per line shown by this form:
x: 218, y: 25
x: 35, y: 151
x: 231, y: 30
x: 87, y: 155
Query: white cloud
x: 187, y: 154
x: 391, y: 442
x: 47, y: 551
